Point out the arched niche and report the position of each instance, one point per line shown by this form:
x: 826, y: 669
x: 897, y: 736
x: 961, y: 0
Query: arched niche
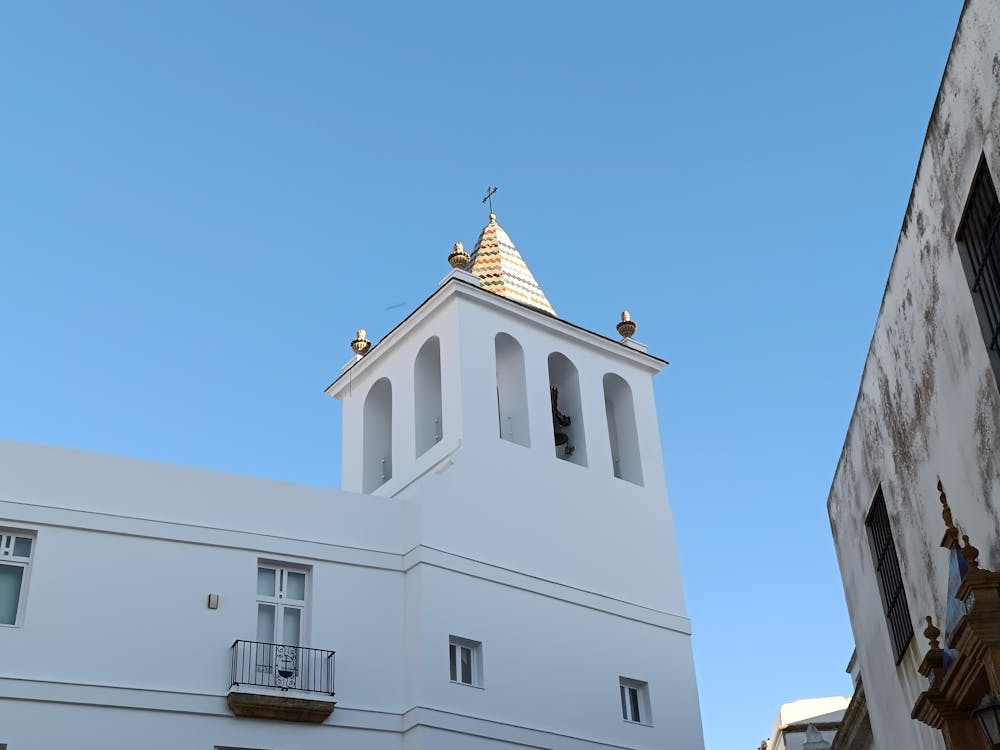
x: 427, y: 395
x: 377, y: 436
x: 512, y: 391
x: 567, y: 413
x: 622, y: 432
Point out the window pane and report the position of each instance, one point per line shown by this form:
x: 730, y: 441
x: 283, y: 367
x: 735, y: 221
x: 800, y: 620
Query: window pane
x: 452, y: 661
x: 292, y: 626
x: 10, y: 592
x: 295, y: 586
x: 633, y: 695
x: 624, y: 704
x: 466, y: 665
x: 265, y: 623
x: 265, y: 582
x: 22, y: 547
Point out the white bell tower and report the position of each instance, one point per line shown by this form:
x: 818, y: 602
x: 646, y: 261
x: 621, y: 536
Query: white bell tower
x: 525, y: 442
x: 456, y: 403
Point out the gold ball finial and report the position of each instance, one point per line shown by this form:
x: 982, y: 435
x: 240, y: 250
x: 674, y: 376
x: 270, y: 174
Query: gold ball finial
x: 459, y: 258
x: 627, y: 327
x: 493, y: 218
x: 361, y: 345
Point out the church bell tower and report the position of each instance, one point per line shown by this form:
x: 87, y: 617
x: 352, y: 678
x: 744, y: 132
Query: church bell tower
x: 517, y: 422
x: 526, y: 443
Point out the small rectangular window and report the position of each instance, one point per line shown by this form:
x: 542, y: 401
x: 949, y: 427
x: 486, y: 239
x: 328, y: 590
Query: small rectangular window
x: 890, y: 579
x: 15, y: 561
x: 979, y: 246
x: 635, y: 700
x: 465, y: 661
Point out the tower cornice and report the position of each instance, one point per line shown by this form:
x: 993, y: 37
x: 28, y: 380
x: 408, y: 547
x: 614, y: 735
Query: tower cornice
x: 455, y: 285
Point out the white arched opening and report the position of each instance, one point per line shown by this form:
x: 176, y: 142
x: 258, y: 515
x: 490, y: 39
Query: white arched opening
x: 512, y: 390
x: 377, y: 436
x: 427, y: 395
x: 622, y: 432
x: 567, y: 414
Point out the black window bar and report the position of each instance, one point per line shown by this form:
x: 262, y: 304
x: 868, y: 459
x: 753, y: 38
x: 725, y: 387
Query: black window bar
x: 275, y: 665
x: 890, y: 580
x: 979, y: 243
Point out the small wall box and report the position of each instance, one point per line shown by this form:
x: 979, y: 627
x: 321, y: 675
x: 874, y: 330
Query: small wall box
x: 213, y: 601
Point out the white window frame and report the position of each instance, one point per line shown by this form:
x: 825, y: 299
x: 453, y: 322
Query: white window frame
x: 279, y: 663
x: 627, y: 688
x: 475, y: 649
x: 280, y: 600
x: 8, y: 539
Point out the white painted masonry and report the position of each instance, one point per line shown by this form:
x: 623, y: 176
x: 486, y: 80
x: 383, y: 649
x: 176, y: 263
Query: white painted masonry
x: 566, y: 575
x: 790, y: 726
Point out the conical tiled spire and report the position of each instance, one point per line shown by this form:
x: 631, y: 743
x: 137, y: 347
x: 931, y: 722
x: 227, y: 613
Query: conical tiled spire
x: 502, y: 270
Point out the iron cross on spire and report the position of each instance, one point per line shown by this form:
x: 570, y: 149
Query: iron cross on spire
x: 490, y: 190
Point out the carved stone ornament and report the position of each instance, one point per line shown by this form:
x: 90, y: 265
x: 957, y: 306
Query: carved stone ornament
x: 969, y: 553
x: 931, y: 633
x: 967, y: 667
x: 950, y: 532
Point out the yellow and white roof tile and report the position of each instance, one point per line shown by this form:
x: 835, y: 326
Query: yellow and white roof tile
x: 502, y: 270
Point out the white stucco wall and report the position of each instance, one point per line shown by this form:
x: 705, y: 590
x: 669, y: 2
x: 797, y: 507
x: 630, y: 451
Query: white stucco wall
x: 478, y: 538
x: 789, y: 731
x: 928, y: 403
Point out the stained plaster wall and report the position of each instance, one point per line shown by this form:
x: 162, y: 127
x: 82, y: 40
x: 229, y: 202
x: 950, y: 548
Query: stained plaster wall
x: 928, y: 403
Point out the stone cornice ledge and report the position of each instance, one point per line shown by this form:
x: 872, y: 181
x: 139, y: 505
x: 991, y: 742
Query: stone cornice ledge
x: 535, y: 739
x: 111, y: 696
x: 855, y: 727
x: 423, y: 555
x: 169, y: 701
x: 317, y: 551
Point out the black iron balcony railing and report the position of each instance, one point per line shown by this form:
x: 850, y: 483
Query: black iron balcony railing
x: 274, y: 665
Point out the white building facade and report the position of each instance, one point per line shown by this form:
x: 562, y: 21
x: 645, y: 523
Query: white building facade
x: 806, y: 724
x: 928, y: 408
x: 473, y: 586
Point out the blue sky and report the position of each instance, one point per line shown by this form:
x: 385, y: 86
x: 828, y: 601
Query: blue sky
x: 202, y: 201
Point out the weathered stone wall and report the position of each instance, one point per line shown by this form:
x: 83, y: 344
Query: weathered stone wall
x: 928, y: 404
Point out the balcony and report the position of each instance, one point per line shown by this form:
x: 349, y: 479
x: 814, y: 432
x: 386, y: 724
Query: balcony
x: 274, y: 681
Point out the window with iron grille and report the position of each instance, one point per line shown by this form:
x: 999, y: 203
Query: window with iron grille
x: 979, y: 244
x: 890, y: 581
